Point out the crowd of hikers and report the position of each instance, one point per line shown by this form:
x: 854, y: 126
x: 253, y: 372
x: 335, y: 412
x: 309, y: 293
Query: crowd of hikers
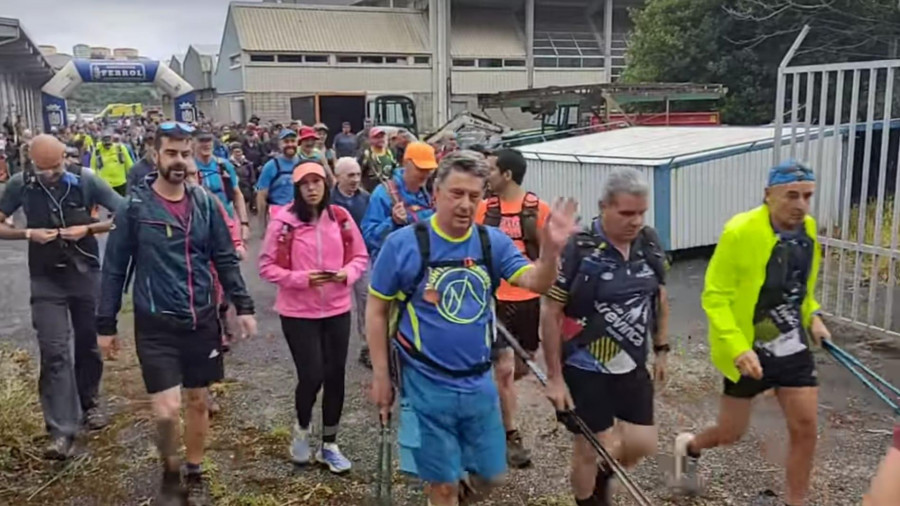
x: 454, y: 275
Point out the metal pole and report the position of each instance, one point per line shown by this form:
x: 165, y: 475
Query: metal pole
x: 779, y: 98
x: 529, y: 36
x: 607, y: 36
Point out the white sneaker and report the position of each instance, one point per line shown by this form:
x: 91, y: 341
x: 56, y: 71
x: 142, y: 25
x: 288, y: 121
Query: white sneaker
x: 685, y: 465
x: 330, y: 455
x: 300, y: 452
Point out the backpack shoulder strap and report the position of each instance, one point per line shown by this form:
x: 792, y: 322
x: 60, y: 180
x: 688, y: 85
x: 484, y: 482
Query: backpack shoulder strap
x: 650, y: 247
x: 492, y: 215
x: 423, y: 241
x: 487, y: 255
x: 531, y: 202
x: 528, y: 221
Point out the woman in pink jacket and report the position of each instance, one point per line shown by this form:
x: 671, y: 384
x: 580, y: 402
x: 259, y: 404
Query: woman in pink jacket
x: 314, y: 253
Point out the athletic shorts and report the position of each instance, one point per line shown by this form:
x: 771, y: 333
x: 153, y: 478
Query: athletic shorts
x: 602, y: 398
x: 450, y: 432
x: 797, y: 370
x: 173, y: 354
x: 522, y: 319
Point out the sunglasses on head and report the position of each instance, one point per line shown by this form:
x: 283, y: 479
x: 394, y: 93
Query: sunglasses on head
x: 171, y: 126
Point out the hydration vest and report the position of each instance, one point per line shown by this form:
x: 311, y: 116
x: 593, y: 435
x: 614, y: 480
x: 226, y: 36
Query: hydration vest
x: 527, y: 217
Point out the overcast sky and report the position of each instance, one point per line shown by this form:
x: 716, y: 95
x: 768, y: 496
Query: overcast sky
x: 156, y: 28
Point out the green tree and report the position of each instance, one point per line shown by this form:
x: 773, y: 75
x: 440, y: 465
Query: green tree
x: 92, y: 98
x: 739, y: 43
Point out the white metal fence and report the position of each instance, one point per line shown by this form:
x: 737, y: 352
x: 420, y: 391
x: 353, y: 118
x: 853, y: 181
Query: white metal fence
x: 857, y: 196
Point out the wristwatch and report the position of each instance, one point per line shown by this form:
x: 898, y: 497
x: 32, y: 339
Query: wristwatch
x: 27, y: 234
x: 245, y: 223
x: 661, y: 348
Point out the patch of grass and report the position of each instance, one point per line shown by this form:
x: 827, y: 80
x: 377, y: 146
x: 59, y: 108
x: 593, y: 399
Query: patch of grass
x: 21, y: 423
x: 870, y: 271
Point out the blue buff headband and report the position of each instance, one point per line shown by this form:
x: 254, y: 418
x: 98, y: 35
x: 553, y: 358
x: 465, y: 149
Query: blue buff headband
x: 790, y: 171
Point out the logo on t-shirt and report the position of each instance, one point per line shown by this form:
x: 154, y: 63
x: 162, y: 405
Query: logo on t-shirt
x: 462, y: 293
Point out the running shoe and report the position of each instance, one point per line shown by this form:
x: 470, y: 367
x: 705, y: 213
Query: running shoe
x: 517, y: 456
x: 685, y: 465
x: 95, y: 419
x: 300, y: 452
x: 59, y: 448
x: 197, y: 490
x: 330, y: 455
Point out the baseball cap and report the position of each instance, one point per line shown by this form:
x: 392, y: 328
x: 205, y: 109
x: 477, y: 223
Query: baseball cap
x: 204, y: 135
x: 305, y: 169
x: 375, y: 132
x: 285, y: 133
x: 320, y: 126
x: 421, y: 154
x: 308, y: 133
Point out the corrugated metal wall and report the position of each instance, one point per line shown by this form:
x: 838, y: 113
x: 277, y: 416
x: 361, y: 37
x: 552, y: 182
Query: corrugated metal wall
x: 551, y: 180
x: 325, y: 79
x: 704, y: 195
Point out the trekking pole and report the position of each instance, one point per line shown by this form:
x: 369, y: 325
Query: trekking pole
x: 858, y: 369
x: 383, y: 492
x: 611, y: 462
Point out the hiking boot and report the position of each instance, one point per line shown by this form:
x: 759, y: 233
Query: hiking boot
x: 59, y: 448
x: 197, y: 490
x: 330, y: 455
x: 95, y: 419
x: 517, y: 456
x: 603, y: 486
x: 170, y: 491
x: 686, y: 465
x: 364, y: 358
x: 300, y: 452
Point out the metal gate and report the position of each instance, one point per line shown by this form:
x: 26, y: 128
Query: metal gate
x: 856, y: 204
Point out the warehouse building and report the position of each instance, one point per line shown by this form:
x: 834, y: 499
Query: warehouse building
x: 23, y: 70
x: 284, y: 61
x: 197, y: 68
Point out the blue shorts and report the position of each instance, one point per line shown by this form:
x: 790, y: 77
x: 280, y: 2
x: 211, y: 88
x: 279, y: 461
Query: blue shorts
x: 457, y: 432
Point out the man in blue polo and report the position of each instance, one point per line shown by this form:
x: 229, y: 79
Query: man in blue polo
x: 274, y: 188
x: 218, y: 176
x: 442, y: 272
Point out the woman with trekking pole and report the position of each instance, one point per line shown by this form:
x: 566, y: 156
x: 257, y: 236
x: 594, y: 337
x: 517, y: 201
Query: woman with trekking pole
x: 314, y: 253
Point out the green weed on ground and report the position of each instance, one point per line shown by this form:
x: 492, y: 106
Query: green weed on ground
x: 871, y: 269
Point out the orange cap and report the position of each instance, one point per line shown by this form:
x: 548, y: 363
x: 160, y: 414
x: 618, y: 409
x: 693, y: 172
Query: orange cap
x: 305, y: 169
x: 421, y: 154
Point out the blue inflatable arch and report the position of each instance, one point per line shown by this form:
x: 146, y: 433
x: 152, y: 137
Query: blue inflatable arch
x: 70, y: 77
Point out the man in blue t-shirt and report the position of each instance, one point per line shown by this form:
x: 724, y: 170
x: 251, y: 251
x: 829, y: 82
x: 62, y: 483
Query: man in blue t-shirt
x: 446, y: 325
x: 218, y: 175
x: 274, y: 187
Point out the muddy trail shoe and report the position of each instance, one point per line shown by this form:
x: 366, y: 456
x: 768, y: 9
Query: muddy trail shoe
x: 59, y: 448
x: 300, y: 452
x: 170, y: 491
x: 95, y: 419
x: 517, y: 456
x: 197, y: 490
x: 331, y: 457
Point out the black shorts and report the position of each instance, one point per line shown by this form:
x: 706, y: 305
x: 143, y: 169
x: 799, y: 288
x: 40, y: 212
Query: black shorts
x: 522, y: 319
x: 173, y: 354
x: 797, y: 370
x: 602, y: 398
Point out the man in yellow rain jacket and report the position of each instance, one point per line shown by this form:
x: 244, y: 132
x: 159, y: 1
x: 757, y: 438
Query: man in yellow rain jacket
x: 111, y: 162
x: 763, y: 318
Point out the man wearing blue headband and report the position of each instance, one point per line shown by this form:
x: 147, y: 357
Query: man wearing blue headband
x: 763, y: 316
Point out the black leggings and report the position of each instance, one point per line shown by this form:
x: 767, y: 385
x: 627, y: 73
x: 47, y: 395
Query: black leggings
x: 319, y: 349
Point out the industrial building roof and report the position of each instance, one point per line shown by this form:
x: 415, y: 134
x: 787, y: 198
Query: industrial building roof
x: 330, y: 29
x: 491, y: 33
x: 653, y: 146
x: 21, y: 55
